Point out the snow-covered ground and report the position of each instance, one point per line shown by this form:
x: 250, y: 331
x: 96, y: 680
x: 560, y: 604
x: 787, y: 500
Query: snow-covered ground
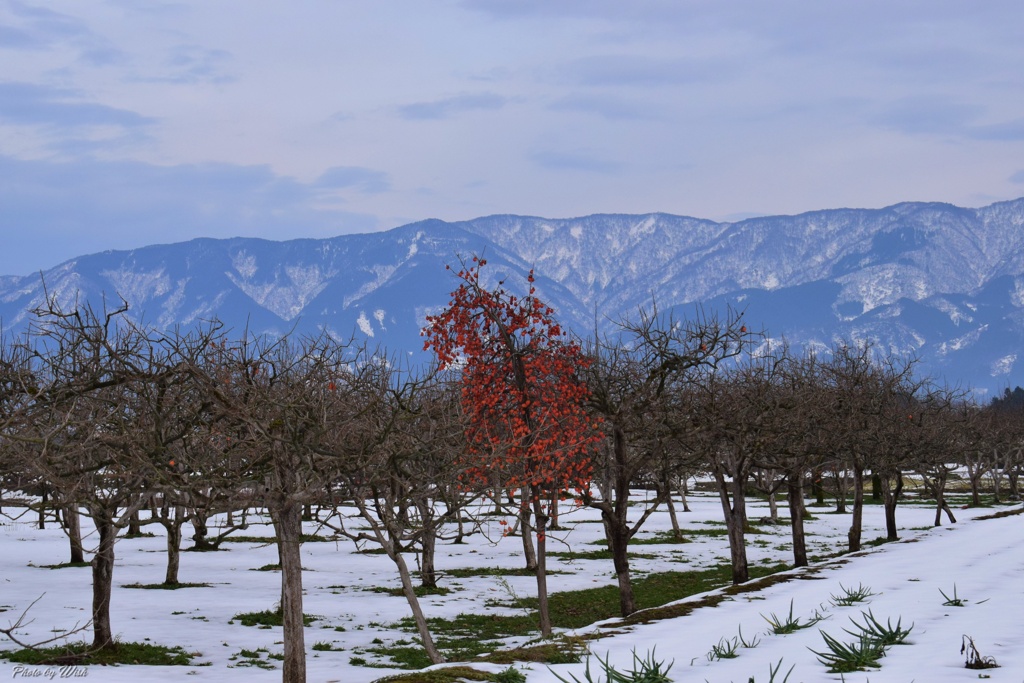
x: 982, y: 559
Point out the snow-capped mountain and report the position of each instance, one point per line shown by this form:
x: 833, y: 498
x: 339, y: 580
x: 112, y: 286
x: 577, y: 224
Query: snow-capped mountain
x: 943, y: 283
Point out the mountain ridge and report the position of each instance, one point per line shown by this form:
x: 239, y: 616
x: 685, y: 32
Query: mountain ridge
x: 929, y: 279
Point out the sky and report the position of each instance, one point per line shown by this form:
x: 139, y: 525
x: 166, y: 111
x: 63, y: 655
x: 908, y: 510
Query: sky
x: 125, y: 123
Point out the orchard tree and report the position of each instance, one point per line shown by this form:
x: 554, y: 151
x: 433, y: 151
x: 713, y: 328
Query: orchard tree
x: 402, y: 455
x: 632, y: 381
x: 522, y: 395
x: 76, y: 432
x: 276, y: 397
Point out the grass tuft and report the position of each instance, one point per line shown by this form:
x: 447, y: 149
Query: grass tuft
x: 82, y: 654
x: 268, y: 618
x: 166, y: 586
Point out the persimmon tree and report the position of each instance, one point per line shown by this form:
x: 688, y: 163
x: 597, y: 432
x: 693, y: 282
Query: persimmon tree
x: 78, y: 420
x: 522, y: 396
x: 634, y: 380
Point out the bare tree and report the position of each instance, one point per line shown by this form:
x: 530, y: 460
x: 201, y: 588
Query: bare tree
x: 633, y: 381
x: 406, y: 454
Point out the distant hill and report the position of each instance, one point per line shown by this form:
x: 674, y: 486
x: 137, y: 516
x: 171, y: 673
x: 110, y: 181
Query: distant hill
x: 937, y: 281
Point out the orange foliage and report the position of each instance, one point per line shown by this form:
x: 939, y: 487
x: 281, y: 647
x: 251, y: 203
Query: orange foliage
x: 520, y: 387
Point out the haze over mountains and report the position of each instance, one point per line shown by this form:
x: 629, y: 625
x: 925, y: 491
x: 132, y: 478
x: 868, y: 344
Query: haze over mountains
x: 934, y: 280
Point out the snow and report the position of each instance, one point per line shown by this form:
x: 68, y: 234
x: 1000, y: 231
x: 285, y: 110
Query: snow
x: 961, y: 342
x: 381, y: 274
x: 244, y: 263
x: 285, y: 296
x: 982, y: 559
x: 138, y: 286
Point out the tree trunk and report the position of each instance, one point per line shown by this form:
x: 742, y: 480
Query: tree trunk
x: 858, y: 509
x: 677, y: 533
x: 1012, y: 476
x: 543, y: 610
x: 841, y: 489
x: 102, y: 579
x: 73, y: 524
x: 134, y: 525
x: 974, y: 473
x: 818, y: 488
x: 460, y: 527
x: 892, y: 498
x: 876, y: 487
x: 428, y: 572
x: 199, y: 525
x: 735, y: 520
x: 42, y: 510
x: 975, y: 491
x: 683, y: 492
x: 173, y: 526
x: 795, y: 491
x: 773, y: 506
x: 997, y: 480
x: 288, y: 525
x: 939, y: 508
x: 527, y: 532
x: 618, y: 541
x: 414, y: 604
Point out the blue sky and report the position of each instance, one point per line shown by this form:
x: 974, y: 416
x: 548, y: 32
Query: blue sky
x: 126, y: 123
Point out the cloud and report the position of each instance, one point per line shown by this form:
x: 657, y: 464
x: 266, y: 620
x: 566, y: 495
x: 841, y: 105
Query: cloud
x: 944, y: 116
x: 29, y: 103
x: 50, y: 24
x: 191, y: 64
x: 446, y: 108
x: 574, y: 161
x: 1017, y: 177
x: 365, y: 180
x: 43, y: 28
x: 928, y: 115
x: 1005, y: 131
x: 56, y: 211
x: 611, y: 108
x: 641, y: 71
x: 16, y: 39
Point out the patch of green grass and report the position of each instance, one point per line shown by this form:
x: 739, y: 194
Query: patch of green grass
x: 874, y: 543
x: 420, y: 591
x: 469, y: 635
x: 323, y: 646
x: 467, y: 572
x: 267, y: 540
x: 255, y: 658
x: 1004, y: 513
x: 564, y: 650
x: 166, y: 586
x: 141, y: 534
x: 761, y: 576
x: 267, y: 568
x: 605, y: 554
x: 118, y: 653
x: 451, y: 674
x: 402, y: 656
x: 660, y: 538
x: 63, y: 565
x: 267, y: 618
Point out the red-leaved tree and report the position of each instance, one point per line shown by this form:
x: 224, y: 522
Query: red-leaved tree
x: 522, y: 395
